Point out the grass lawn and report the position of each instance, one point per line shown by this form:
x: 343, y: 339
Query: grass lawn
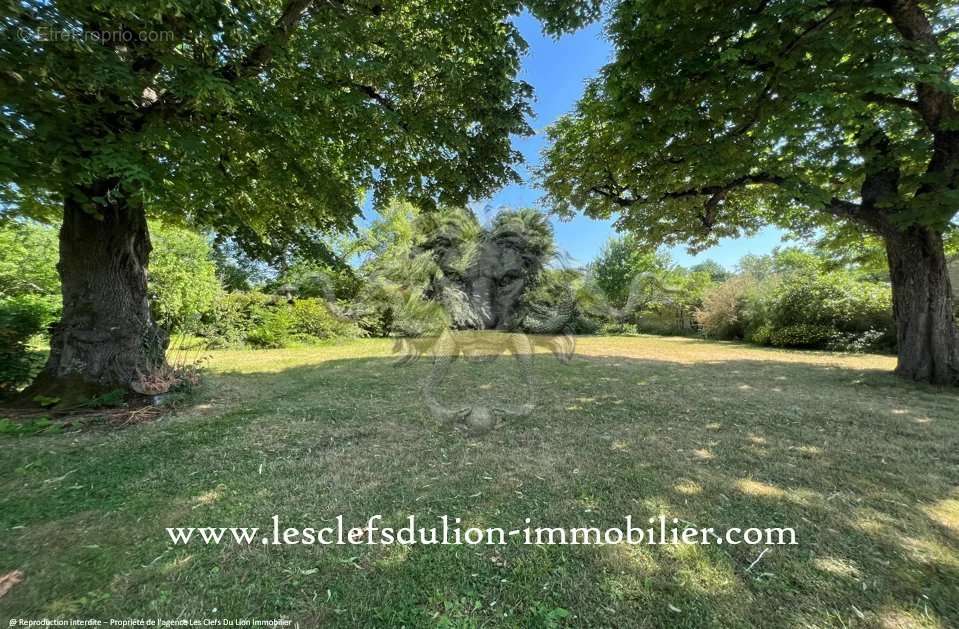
x: 864, y: 467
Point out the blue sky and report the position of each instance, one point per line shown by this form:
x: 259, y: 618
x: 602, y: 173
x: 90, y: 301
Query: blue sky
x: 558, y: 69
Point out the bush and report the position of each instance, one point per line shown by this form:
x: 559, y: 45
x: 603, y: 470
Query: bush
x: 233, y: 317
x: 802, y: 307
x: 803, y: 335
x: 868, y: 341
x: 313, y: 319
x: 274, y: 331
x: 760, y: 335
x: 723, y: 313
x: 831, y: 310
x: 183, y: 283
x: 262, y: 321
x: 22, y: 318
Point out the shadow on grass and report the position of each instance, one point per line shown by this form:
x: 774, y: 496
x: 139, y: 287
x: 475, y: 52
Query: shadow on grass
x: 865, y: 469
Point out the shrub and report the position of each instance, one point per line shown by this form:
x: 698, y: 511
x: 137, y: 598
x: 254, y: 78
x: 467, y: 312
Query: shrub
x: 806, y: 309
x: 761, y: 334
x: 868, y: 341
x: 723, y: 313
x: 183, y: 282
x: 233, y: 317
x: 313, y: 319
x: 22, y: 318
x: 802, y: 307
x: 262, y: 321
x: 803, y: 335
x: 837, y: 302
x: 275, y: 330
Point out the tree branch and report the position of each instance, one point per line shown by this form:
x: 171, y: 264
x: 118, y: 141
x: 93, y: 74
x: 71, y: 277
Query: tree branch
x: 705, y: 191
x: 883, y: 99
x: 776, y: 68
x: 262, y: 54
x: 716, y: 195
x: 254, y: 62
x: 913, y: 25
x: 616, y: 198
x: 371, y: 93
x: 738, y: 182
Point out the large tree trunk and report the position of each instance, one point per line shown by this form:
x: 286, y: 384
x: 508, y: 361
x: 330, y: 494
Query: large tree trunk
x: 106, y: 336
x: 923, y: 306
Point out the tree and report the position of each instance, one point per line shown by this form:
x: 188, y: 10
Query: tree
x: 265, y: 120
x: 715, y: 270
x: 235, y: 268
x: 716, y: 118
x: 432, y: 271
x: 183, y: 281
x: 619, y: 263
x: 28, y: 255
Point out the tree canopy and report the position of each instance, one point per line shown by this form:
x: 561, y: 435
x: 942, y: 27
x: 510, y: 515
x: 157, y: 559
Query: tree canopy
x: 428, y: 271
x: 265, y: 120
x: 716, y: 118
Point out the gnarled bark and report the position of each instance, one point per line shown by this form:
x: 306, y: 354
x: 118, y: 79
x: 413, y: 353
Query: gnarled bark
x: 106, y: 336
x: 923, y: 306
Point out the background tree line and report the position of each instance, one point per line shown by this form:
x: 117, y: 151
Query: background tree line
x: 268, y: 123
x: 209, y: 293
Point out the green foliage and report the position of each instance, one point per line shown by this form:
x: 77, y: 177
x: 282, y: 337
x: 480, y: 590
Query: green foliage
x: 266, y: 121
x: 831, y: 299
x: 397, y: 270
x: 795, y: 303
x: 529, y: 231
x: 717, y: 272
x: 567, y: 292
x: 183, y: 280
x: 237, y: 270
x: 312, y: 319
x: 273, y: 331
x: 714, y: 119
x: 259, y: 320
x: 757, y: 267
x: 620, y: 262
x: 28, y: 259
x: 35, y: 426
x: 234, y: 317
x: 761, y: 334
x: 414, y: 264
x: 307, y: 278
x: 802, y: 335
x: 555, y: 287
x: 670, y: 299
x: 641, y: 286
x: 110, y: 399
x: 722, y: 314
x: 303, y: 321
x: 21, y: 318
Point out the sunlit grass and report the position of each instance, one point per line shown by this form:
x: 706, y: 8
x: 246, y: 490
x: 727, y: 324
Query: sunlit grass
x: 863, y: 466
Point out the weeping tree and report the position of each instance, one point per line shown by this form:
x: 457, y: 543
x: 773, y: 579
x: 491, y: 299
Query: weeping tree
x: 717, y: 118
x: 266, y: 121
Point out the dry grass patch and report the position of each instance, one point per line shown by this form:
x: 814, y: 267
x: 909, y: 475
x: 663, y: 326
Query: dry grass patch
x: 863, y: 466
